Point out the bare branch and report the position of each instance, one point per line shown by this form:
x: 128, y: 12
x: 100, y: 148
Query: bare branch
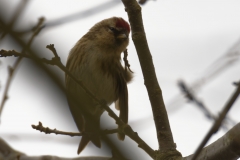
x: 7, y: 153
x: 217, y: 122
x: 164, y: 134
x: 127, y: 65
x: 13, y: 69
x: 227, y: 147
x: 19, y: 10
x: 4, y: 53
x: 125, y: 128
x: 51, y: 24
x: 192, y: 98
x: 37, y: 61
x: 47, y: 130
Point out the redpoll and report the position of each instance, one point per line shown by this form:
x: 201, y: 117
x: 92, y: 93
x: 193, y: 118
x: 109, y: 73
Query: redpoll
x: 96, y: 61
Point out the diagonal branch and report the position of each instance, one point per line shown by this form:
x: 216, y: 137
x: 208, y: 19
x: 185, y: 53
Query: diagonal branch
x: 125, y: 127
x: 8, y: 153
x: 18, y: 12
x: 13, y: 69
x: 218, y: 122
x: 56, y: 61
x: 164, y: 134
x: 192, y: 98
x: 227, y: 147
x: 37, y: 62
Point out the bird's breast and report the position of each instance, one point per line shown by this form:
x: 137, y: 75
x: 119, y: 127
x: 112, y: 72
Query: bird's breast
x: 100, y: 83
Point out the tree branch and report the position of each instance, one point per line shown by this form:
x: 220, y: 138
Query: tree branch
x: 164, y: 134
x: 227, y: 147
x: 18, y: 12
x: 8, y: 153
x: 192, y: 98
x: 217, y: 122
x: 38, y: 62
x: 13, y: 69
x: 47, y: 130
x: 56, y: 61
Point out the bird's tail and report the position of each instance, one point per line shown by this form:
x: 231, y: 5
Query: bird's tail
x: 91, y: 133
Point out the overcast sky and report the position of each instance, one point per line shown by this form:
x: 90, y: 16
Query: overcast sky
x: 188, y: 40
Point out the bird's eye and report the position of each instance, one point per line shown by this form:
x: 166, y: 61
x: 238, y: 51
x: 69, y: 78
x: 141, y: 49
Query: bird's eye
x: 113, y: 29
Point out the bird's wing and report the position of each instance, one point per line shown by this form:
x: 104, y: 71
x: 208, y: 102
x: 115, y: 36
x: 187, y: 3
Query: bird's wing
x: 122, y: 102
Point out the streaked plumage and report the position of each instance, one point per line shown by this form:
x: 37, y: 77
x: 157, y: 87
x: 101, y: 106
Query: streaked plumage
x: 96, y: 61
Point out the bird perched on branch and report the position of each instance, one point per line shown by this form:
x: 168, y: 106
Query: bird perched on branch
x: 96, y: 61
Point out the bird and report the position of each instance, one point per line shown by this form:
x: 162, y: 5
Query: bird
x: 95, y: 60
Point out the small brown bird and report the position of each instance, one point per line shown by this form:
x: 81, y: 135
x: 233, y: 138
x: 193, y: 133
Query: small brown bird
x: 96, y: 61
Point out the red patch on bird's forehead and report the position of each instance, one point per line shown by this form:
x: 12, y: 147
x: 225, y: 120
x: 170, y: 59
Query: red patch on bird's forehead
x: 121, y: 23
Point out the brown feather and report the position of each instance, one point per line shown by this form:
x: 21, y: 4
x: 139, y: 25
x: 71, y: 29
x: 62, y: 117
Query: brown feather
x: 95, y: 60
x: 121, y: 77
x: 123, y: 105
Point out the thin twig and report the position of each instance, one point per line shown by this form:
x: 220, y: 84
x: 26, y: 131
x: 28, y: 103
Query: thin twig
x: 217, y: 122
x: 192, y: 98
x: 33, y: 52
x: 7, y: 153
x: 5, y: 53
x: 123, y: 127
x: 226, y: 147
x: 127, y: 65
x: 13, y: 69
x: 18, y: 11
x: 47, y: 130
x: 75, y: 16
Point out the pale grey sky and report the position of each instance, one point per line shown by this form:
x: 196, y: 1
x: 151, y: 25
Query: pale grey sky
x: 185, y: 38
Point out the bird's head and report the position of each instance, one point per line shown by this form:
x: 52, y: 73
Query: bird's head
x: 111, y: 34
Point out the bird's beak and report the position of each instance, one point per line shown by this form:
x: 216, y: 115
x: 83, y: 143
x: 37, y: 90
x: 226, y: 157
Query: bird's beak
x: 122, y: 36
